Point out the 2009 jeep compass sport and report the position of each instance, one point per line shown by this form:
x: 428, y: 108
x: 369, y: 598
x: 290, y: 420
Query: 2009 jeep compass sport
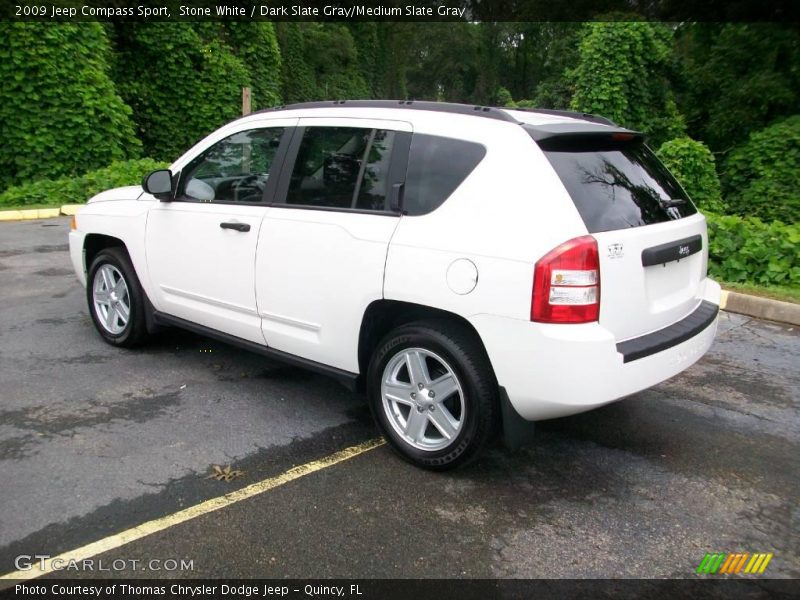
x: 467, y: 266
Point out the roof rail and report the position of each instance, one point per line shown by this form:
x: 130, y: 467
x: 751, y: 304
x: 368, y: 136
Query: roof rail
x: 568, y: 113
x: 488, y: 112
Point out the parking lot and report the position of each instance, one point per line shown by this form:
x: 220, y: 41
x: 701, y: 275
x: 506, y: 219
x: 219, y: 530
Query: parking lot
x: 95, y: 440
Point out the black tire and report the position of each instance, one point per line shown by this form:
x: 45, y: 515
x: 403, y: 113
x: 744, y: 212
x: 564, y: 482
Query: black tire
x: 134, y: 331
x: 460, y: 348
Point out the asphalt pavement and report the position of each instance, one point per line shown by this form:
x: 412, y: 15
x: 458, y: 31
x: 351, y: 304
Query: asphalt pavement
x: 95, y: 440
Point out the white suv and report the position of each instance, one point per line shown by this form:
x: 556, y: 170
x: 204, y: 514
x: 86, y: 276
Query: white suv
x: 470, y: 268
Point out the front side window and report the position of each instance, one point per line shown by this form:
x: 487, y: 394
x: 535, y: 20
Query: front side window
x: 342, y: 167
x: 235, y: 169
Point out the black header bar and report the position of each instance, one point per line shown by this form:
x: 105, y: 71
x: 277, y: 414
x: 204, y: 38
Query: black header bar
x: 397, y: 10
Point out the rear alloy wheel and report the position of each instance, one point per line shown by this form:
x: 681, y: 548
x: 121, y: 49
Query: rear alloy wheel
x: 422, y: 399
x: 115, y: 298
x: 433, y: 393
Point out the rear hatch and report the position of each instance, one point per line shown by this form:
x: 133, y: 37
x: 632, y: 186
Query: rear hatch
x: 651, y: 240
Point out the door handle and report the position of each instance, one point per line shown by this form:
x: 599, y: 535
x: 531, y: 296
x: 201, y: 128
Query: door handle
x: 236, y: 226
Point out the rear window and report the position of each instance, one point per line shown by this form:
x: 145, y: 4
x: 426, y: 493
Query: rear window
x: 436, y: 167
x: 616, y: 184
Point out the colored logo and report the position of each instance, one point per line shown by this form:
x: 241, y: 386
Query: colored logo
x: 737, y: 563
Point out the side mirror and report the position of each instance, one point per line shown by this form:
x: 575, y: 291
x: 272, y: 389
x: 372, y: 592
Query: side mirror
x: 159, y: 184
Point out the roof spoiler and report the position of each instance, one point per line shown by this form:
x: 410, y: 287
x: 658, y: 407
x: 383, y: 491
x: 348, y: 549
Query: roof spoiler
x: 583, y: 116
x: 563, y: 130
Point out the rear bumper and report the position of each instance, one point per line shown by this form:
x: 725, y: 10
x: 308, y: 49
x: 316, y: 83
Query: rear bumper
x: 552, y: 371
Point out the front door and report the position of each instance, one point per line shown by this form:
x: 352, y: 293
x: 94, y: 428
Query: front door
x: 201, y: 247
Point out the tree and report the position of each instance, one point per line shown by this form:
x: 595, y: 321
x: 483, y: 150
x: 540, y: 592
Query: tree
x: 371, y: 55
x: 60, y: 113
x: 442, y: 62
x: 622, y: 73
x: 180, y: 85
x: 557, y: 48
x: 396, y: 41
x: 321, y: 62
x: 297, y: 75
x: 736, y: 78
x: 331, y: 51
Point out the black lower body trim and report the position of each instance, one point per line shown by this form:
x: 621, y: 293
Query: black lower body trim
x: 516, y: 431
x: 346, y: 377
x: 675, y: 334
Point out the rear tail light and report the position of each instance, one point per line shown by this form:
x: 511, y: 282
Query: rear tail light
x: 566, y: 283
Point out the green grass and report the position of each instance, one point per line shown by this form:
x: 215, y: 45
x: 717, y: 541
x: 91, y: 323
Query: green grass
x: 776, y: 292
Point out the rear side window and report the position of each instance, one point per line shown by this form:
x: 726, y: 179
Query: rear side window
x: 616, y: 184
x: 436, y: 167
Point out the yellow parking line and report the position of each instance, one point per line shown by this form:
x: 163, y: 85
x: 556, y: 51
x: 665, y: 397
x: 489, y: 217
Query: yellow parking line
x: 156, y: 525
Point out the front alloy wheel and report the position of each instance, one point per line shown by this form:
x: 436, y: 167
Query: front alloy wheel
x: 112, y: 301
x: 116, y: 299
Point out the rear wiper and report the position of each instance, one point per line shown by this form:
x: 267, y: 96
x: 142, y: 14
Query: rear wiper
x: 670, y: 202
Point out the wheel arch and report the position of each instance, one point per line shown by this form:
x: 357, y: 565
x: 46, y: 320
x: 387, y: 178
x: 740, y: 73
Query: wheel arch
x: 381, y: 316
x: 93, y: 243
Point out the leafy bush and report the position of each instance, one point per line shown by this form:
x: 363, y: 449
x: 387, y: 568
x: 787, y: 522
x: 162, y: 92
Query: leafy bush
x: 77, y: 190
x: 693, y: 165
x: 503, y: 98
x: 762, y: 177
x: 59, y: 109
x: 748, y: 250
x: 180, y: 86
x: 256, y: 43
x: 622, y: 74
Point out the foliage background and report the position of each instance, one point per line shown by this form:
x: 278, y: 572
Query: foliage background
x: 60, y: 113
x: 720, y: 101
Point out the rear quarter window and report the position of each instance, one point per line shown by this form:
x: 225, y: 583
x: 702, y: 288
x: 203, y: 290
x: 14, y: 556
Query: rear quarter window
x: 616, y: 184
x: 436, y: 167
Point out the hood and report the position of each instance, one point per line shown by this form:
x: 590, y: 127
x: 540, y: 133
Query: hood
x: 130, y: 192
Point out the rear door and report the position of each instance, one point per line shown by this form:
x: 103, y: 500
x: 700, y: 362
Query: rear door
x: 652, y: 241
x: 322, y: 250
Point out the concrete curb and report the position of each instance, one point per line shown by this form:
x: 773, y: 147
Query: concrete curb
x: 71, y: 209
x: 760, y: 308
x: 27, y: 214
